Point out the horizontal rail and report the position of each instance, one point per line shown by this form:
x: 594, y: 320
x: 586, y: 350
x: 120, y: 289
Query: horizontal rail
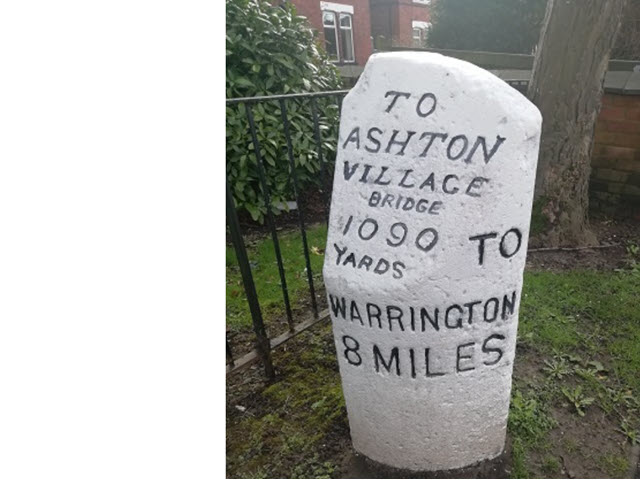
x: 246, y: 360
x: 266, y: 98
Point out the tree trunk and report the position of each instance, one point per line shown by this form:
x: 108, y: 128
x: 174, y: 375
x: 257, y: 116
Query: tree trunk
x: 567, y: 86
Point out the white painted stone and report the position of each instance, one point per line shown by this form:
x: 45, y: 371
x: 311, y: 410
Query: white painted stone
x: 459, y: 417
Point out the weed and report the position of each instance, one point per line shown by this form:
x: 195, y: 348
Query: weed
x: 550, y: 465
x: 629, y: 432
x: 518, y: 460
x: 557, y: 368
x: 614, y: 465
x: 570, y: 445
x: 577, y: 398
x: 528, y: 419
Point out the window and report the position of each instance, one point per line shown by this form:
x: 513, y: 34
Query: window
x: 346, y: 38
x: 424, y: 2
x: 419, y: 33
x: 417, y: 37
x: 330, y: 35
x: 337, y: 21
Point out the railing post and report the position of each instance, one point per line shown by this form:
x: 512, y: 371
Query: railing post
x: 296, y: 192
x: 270, y: 219
x: 262, y: 341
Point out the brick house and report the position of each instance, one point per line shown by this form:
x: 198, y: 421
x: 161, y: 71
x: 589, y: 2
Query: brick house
x: 343, y: 27
x: 400, y: 23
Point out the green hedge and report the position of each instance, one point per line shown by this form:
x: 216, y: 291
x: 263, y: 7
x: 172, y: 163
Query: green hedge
x: 271, y: 51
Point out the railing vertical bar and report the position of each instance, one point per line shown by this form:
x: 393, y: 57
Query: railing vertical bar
x: 230, y: 353
x: 270, y: 219
x: 323, y: 169
x: 294, y: 178
x: 262, y: 341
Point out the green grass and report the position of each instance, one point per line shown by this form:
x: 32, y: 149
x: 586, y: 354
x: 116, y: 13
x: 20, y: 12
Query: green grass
x: 588, y: 312
x: 300, y: 416
x: 266, y: 277
x: 570, y: 318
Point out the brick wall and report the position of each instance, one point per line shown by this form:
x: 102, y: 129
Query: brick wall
x: 615, y: 162
x: 407, y: 12
x: 362, y: 44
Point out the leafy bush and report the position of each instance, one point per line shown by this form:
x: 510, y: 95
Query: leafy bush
x: 271, y: 50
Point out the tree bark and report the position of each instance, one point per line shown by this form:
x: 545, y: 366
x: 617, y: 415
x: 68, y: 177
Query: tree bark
x: 567, y: 86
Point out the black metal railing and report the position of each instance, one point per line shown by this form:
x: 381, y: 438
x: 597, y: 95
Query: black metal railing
x: 263, y: 343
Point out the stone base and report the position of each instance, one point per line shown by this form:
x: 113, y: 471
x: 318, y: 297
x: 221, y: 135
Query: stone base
x: 359, y: 466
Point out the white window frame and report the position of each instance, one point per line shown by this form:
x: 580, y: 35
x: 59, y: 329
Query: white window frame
x: 336, y: 7
x: 350, y: 29
x: 339, y: 9
x: 424, y: 28
x: 423, y: 2
x: 336, y: 27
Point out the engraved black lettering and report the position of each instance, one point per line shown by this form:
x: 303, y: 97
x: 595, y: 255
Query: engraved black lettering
x: 426, y: 248
x: 508, y: 306
x: 432, y: 136
x: 374, y: 199
x: 365, y: 262
x: 481, y: 239
x: 374, y: 229
x: 430, y: 110
x: 459, y: 357
x: 462, y: 149
x: 351, y: 351
x: 413, y: 318
x: 348, y: 225
x: 354, y: 137
x: 494, y: 301
x: 474, y: 185
x: 377, y: 315
x: 458, y: 321
x: 388, y: 199
x: 397, y: 269
x: 378, y: 181
x: 429, y: 182
x: 338, y: 306
x: 503, y: 248
x: 412, y: 357
x: 399, y: 233
x: 446, y: 181
x: 402, y: 143
x: 382, y: 267
x: 355, y: 313
x: 340, y: 252
x: 424, y: 315
x: 486, y: 349
x: 393, y: 358
x: 374, y: 140
x: 351, y: 258
x: 470, y: 306
x: 365, y: 174
x: 394, y: 313
x: 481, y: 141
x: 396, y: 95
x: 408, y: 204
x: 348, y: 172
x: 402, y: 183
x: 434, y: 209
x: 427, y: 365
